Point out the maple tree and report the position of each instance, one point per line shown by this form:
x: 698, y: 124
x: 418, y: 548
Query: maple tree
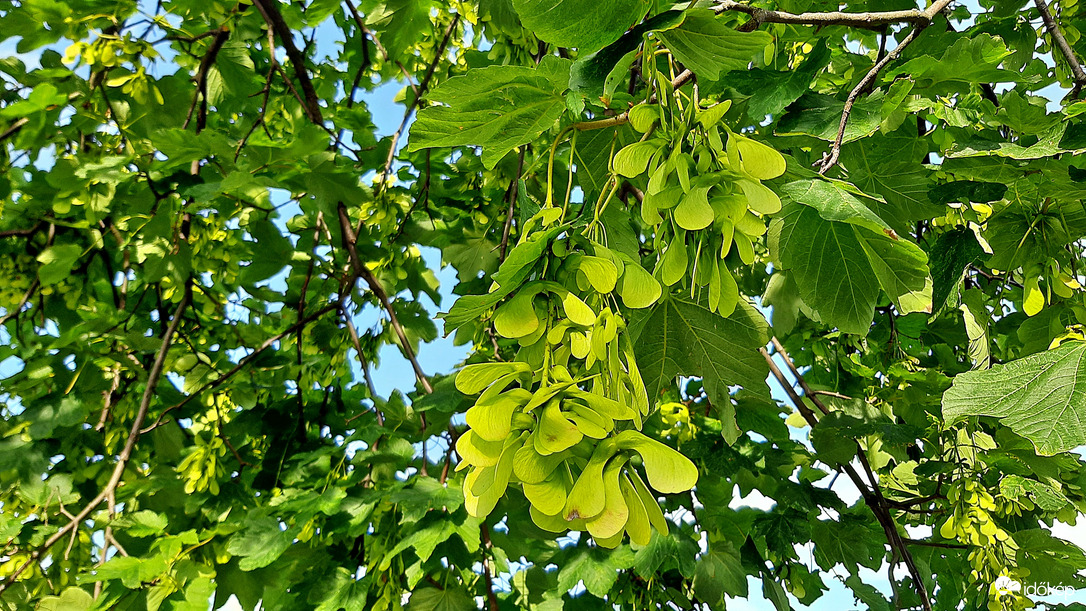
x: 206, y: 242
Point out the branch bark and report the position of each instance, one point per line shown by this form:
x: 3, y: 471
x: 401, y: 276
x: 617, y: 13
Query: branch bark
x: 126, y: 453
x: 200, y: 96
x: 870, y: 492
x: 421, y: 89
x: 366, y: 274
x: 297, y: 60
x: 1065, y: 48
x: 873, y: 20
x: 830, y: 158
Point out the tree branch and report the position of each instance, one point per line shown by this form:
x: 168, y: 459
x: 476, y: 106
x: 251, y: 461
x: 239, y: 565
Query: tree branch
x: 243, y: 362
x: 126, y: 453
x: 512, y: 196
x: 873, y: 20
x: 361, y: 271
x: 21, y: 121
x: 492, y: 600
x: 872, y: 494
x: 830, y: 159
x: 421, y: 89
x: 275, y: 20
x: 1065, y: 49
x: 201, y: 79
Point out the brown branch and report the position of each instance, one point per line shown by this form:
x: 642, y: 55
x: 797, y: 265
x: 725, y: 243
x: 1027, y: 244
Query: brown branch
x: 126, y: 453
x: 621, y: 119
x: 22, y: 121
x: 353, y: 332
x: 512, y: 196
x: 201, y: 79
x: 242, y: 363
x: 273, y: 64
x: 22, y: 233
x: 492, y: 600
x: 1065, y: 49
x: 934, y: 544
x: 366, y: 274
x: 871, y: 493
x: 415, y: 102
x: 22, y: 302
x: 275, y: 20
x: 872, y: 20
x: 830, y: 158
x: 364, y: 31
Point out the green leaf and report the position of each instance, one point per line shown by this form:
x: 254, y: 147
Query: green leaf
x: 146, y: 523
x: 839, y: 267
x: 71, y: 599
x: 709, y: 46
x: 903, y: 184
x: 589, y: 74
x: 719, y: 571
x: 588, y: 26
x: 424, y: 539
x: 771, y: 91
x: 951, y: 255
x: 260, y: 543
x: 965, y: 191
x: 681, y: 337
x: 497, y: 108
x: 975, y: 60
x: 434, y: 599
x: 849, y: 542
x: 598, y: 568
x: 1046, y: 497
x: 867, y: 594
x: 819, y: 116
x: 835, y: 201
x: 57, y: 263
x: 1041, y: 397
x: 774, y: 592
x: 976, y: 327
x: 1048, y: 559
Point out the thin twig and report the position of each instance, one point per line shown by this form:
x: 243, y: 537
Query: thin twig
x: 492, y: 600
x: 126, y: 453
x: 512, y: 196
x: 621, y: 119
x: 242, y: 363
x: 366, y: 274
x: 201, y: 78
x: 870, y: 492
x: 21, y: 121
x: 22, y: 233
x: 364, y: 31
x: 934, y: 544
x: 830, y: 158
x: 297, y: 60
x: 353, y: 333
x: 1065, y: 49
x: 415, y: 102
x: 872, y: 20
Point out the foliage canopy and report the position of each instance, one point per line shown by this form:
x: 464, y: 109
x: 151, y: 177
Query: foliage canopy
x: 200, y: 222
